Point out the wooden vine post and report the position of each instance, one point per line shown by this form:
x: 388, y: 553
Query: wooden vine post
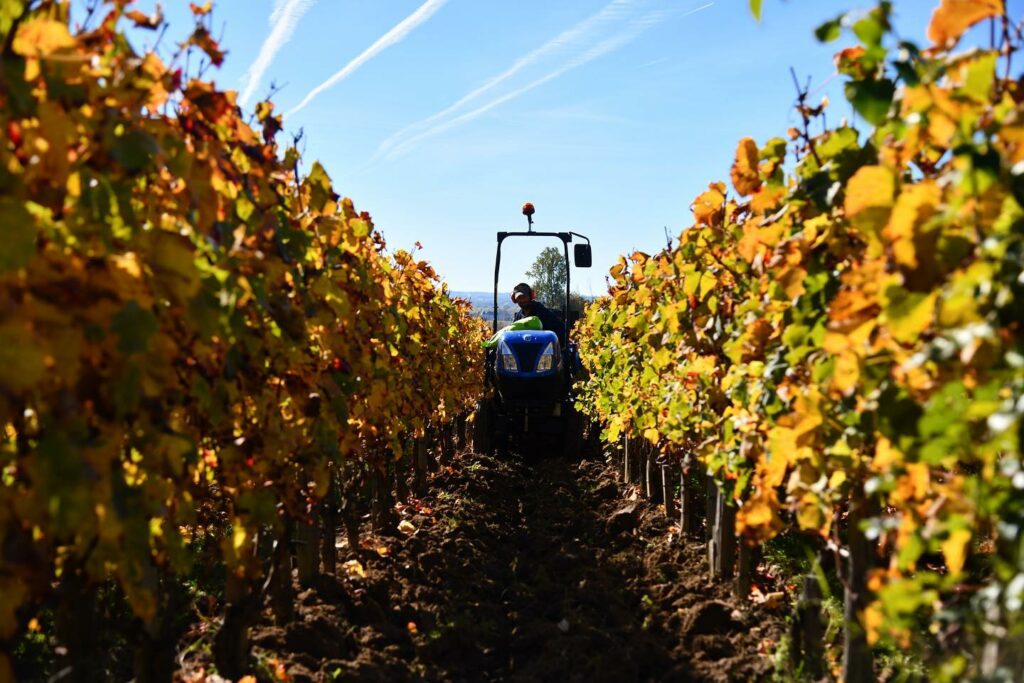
x: 279, y: 581
x: 689, y: 518
x: 382, y: 513
x: 625, y: 460
x: 858, y: 666
x: 420, y: 466
x: 745, y: 560
x: 402, y: 468
x: 329, y: 534
x: 667, y: 488
x: 651, y: 487
x: 808, y: 630
x: 231, y: 643
x: 724, y: 536
x: 460, y: 430
x: 76, y: 622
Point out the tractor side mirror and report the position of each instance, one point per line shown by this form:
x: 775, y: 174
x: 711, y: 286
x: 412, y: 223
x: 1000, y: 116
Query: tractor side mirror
x: 581, y: 255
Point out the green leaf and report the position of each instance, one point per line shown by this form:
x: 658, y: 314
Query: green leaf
x: 10, y: 10
x: 319, y: 187
x: 134, y: 326
x: 830, y: 30
x: 870, y: 31
x: 19, y: 235
x: 980, y: 75
x: 774, y: 150
x: 873, y: 27
x: 22, y: 363
x: 837, y: 141
x: 134, y: 150
x: 244, y: 208
x: 871, y: 98
x: 755, y: 9
x: 908, y: 314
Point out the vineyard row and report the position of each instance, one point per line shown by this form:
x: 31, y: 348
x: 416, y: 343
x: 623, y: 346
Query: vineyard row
x: 204, y: 354
x: 837, y: 344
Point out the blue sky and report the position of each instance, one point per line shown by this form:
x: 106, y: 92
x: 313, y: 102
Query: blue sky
x: 609, y: 115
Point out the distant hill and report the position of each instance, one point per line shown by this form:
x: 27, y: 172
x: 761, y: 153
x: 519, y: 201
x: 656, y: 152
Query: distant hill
x: 478, y: 299
x: 483, y: 305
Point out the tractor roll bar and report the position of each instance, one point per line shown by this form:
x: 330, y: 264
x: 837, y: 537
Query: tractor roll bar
x: 566, y: 237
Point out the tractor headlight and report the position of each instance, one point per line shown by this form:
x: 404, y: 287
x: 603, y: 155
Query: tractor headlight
x: 547, y: 358
x: 508, y: 359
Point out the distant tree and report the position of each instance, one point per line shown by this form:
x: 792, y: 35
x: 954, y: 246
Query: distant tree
x: 547, y: 276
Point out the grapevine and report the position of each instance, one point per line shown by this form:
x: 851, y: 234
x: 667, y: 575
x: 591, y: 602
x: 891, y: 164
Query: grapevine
x: 195, y: 340
x: 837, y: 339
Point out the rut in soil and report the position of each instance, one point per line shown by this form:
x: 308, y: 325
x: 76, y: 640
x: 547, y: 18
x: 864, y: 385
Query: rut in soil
x: 523, y: 572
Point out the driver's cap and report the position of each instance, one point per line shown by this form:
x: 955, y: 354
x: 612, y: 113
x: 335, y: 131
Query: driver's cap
x: 521, y: 290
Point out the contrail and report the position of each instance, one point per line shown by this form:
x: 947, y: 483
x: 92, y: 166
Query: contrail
x: 391, y: 148
x: 392, y: 37
x: 283, y: 21
x: 611, y: 12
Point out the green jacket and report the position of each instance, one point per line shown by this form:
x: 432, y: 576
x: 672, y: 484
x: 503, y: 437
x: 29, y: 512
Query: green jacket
x: 530, y: 323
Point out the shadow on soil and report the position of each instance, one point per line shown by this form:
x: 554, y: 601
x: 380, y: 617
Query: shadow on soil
x: 523, y: 572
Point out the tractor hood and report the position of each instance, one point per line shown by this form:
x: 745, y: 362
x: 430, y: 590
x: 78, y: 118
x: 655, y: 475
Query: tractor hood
x: 528, y: 353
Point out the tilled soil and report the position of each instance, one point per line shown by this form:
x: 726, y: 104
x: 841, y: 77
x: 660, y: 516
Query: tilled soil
x: 518, y: 571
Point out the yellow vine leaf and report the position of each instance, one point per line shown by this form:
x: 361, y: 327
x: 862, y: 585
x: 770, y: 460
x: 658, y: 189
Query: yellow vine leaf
x: 41, y: 37
x: 953, y: 17
x: 954, y: 549
x: 744, y: 174
x: 915, y: 205
x: 758, y: 517
x: 907, y: 314
x: 847, y: 372
x: 782, y: 450
x: 886, y: 456
x: 812, y: 515
x: 707, y: 207
x: 239, y: 537
x: 872, y: 619
x: 869, y: 197
x: 919, y: 477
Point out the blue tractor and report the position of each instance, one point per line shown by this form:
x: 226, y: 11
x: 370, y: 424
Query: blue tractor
x: 529, y: 401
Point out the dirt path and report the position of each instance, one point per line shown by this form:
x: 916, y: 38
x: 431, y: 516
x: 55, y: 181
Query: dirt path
x: 522, y: 572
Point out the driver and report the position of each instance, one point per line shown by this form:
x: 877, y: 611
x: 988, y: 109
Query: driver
x: 522, y: 295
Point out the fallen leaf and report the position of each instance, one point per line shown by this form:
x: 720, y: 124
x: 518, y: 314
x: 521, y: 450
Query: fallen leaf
x: 768, y: 600
x: 354, y: 568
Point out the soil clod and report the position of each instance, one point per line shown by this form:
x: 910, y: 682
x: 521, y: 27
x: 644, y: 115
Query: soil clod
x: 522, y: 572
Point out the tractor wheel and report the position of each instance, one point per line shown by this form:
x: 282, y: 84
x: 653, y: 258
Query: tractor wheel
x: 483, y: 428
